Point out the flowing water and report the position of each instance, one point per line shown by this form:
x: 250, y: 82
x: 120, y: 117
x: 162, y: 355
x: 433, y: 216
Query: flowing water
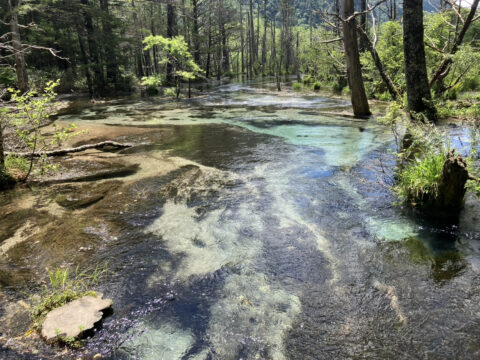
x: 255, y: 226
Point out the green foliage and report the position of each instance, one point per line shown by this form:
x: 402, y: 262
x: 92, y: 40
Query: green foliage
x: 7, y: 76
x: 32, y: 111
x: 307, y: 79
x: 317, y: 85
x: 152, y: 81
x: 175, y: 52
x: 463, y: 75
x: 473, y: 165
x: 297, y: 86
x: 17, y: 166
x: 419, y: 178
x: 464, y: 110
x: 322, y: 63
x: 390, y: 50
x: 421, y: 154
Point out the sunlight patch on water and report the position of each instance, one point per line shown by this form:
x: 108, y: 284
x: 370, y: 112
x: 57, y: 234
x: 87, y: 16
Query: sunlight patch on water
x: 252, y: 317
x: 167, y: 342
x: 386, y: 228
x: 391, y: 294
x: 205, y: 244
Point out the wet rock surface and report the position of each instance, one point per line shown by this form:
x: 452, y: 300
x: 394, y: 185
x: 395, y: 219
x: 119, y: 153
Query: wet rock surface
x: 78, y: 197
x: 76, y: 317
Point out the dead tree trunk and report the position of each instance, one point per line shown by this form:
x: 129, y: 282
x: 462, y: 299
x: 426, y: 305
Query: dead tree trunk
x: 451, y: 188
x: 418, y: 91
x: 449, y: 198
x: 354, y: 70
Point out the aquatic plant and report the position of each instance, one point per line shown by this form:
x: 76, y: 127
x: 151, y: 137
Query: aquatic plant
x: 419, y: 178
x: 429, y: 174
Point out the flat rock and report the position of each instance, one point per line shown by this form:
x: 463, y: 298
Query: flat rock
x: 72, y: 319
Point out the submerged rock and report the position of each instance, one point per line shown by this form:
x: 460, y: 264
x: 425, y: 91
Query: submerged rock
x: 86, y: 195
x: 76, y: 317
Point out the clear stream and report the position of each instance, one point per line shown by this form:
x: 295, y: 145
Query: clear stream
x: 256, y: 227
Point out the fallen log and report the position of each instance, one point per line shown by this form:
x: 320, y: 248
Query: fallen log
x: 61, y: 152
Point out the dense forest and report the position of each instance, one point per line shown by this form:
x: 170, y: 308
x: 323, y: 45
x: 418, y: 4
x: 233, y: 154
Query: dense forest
x: 98, y: 46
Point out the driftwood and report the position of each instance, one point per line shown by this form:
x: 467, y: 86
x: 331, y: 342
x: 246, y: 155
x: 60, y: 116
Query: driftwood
x: 61, y: 152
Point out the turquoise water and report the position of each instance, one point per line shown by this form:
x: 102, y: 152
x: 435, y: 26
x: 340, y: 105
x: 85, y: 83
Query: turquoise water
x: 274, y: 237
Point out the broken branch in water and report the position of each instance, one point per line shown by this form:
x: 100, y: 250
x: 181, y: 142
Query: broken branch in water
x: 61, y: 152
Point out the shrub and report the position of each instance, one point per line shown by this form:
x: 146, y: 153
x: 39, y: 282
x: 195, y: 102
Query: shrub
x: 151, y: 90
x: 317, y: 86
x: 307, y: 79
x: 297, y: 86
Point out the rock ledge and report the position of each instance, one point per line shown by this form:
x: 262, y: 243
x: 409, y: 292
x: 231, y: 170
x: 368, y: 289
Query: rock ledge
x: 74, y: 318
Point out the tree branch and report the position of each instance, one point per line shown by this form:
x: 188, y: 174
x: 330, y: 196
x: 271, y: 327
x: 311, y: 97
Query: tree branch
x: 61, y: 152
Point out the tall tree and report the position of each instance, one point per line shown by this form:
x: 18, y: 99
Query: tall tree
x: 418, y: 90
x: 354, y: 70
x: 172, y: 31
x: 363, y: 24
x: 20, y: 64
x: 109, y: 46
x: 99, y: 82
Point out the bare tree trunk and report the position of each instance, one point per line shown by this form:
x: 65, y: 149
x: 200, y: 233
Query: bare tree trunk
x: 276, y: 65
x: 99, y: 82
x: 242, y: 38
x: 354, y: 70
x: 418, y: 91
x: 209, y: 46
x: 154, y: 49
x: 297, y: 63
x: 223, y: 34
x: 20, y: 64
x: 86, y: 62
x: 109, y: 46
x: 252, y: 34
x: 363, y: 24
x: 195, y: 33
x: 171, y: 32
x: 264, y: 40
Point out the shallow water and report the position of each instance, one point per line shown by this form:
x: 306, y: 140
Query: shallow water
x: 256, y: 228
